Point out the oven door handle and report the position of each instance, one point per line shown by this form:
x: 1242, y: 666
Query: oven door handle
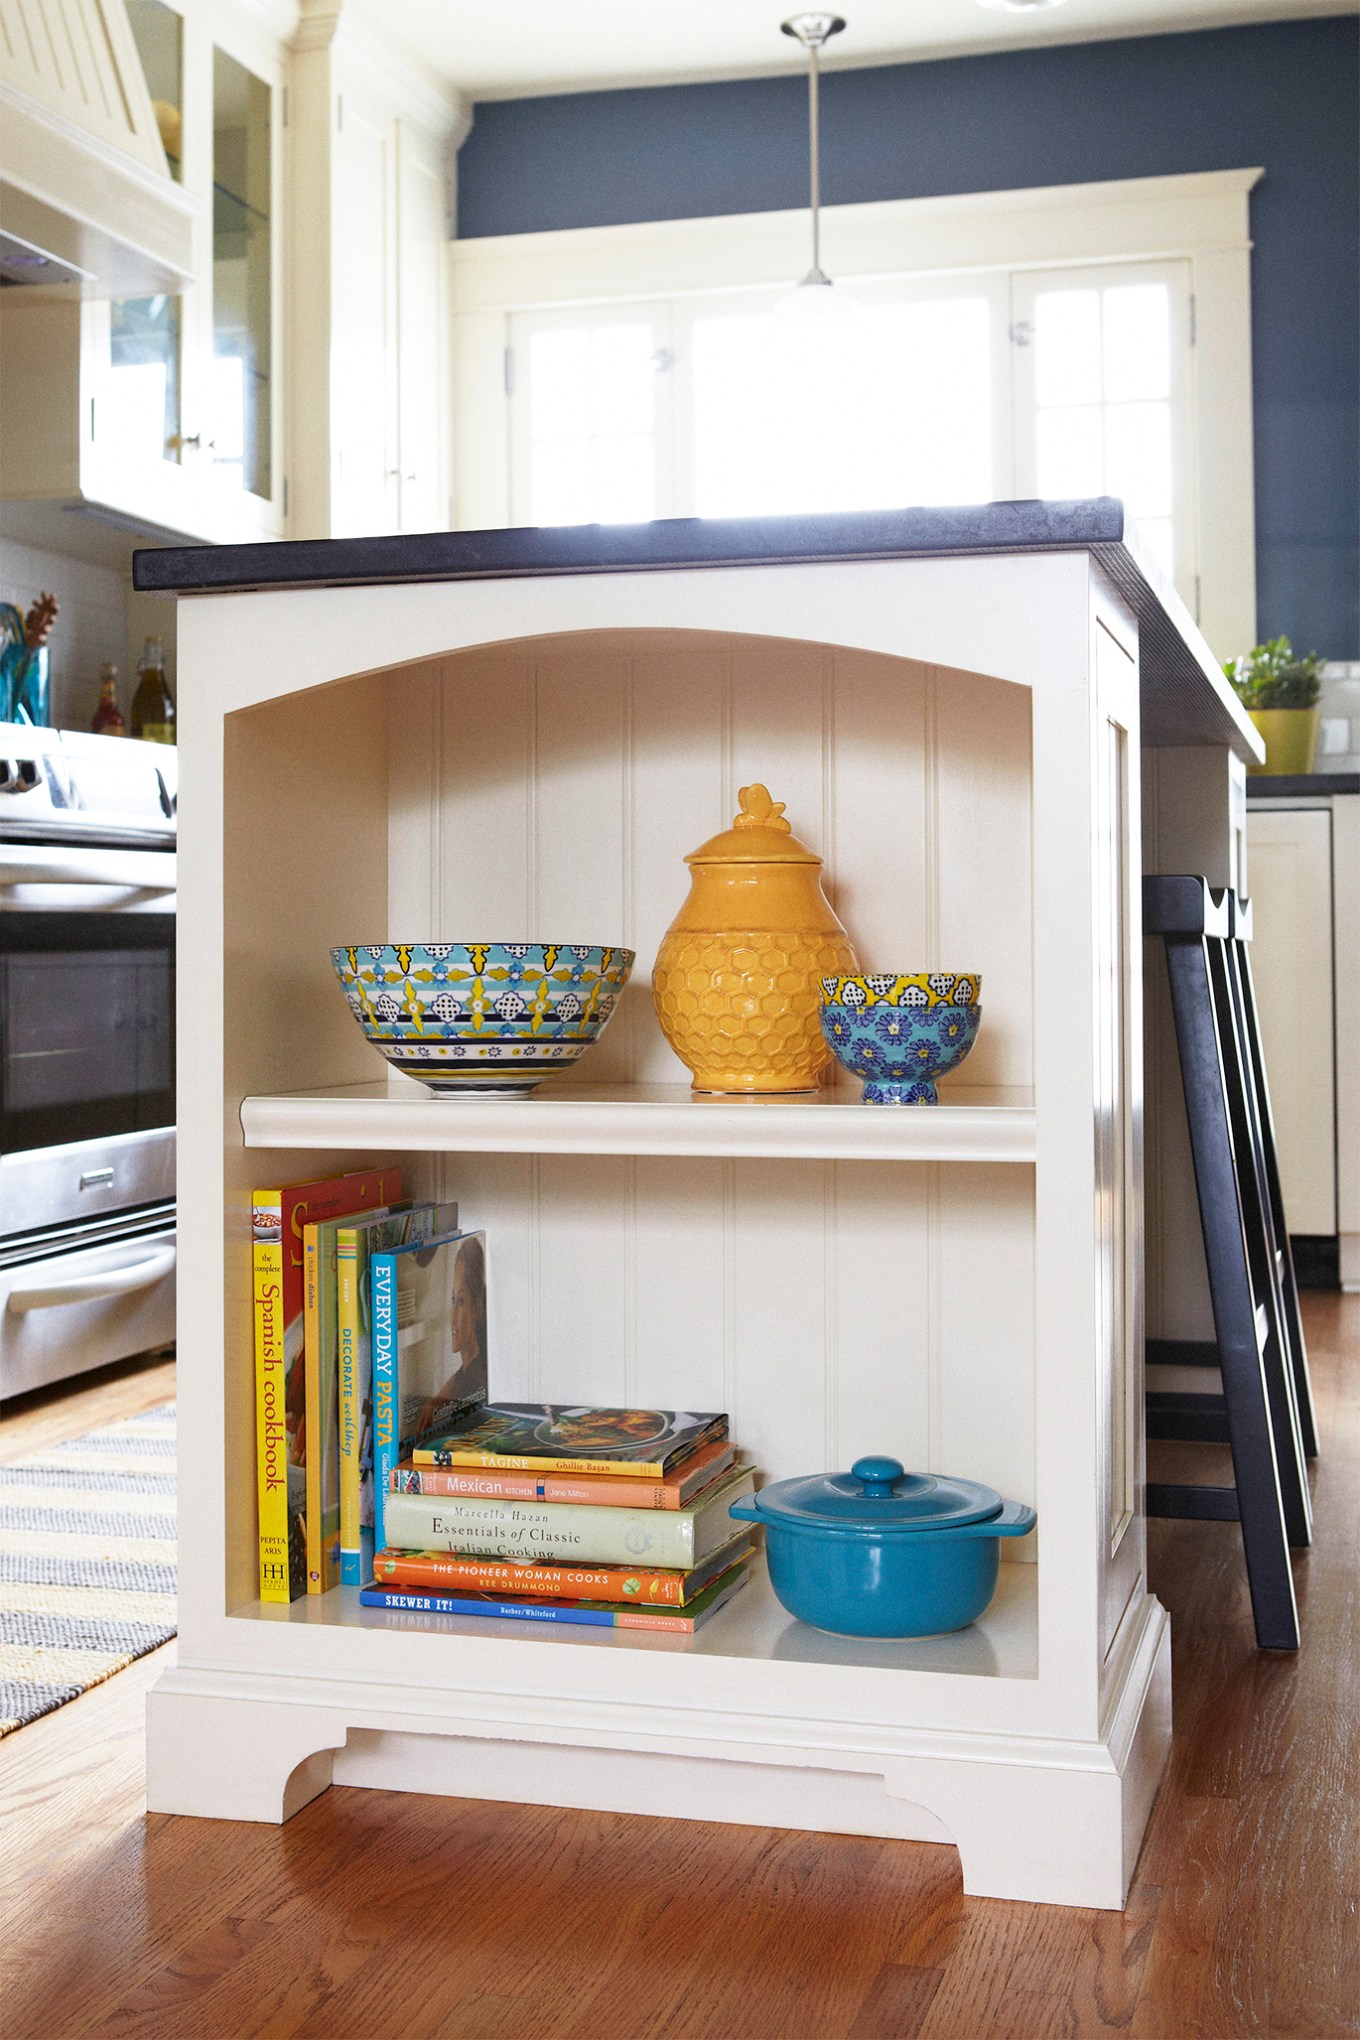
x: 85, y: 1288
x: 148, y: 870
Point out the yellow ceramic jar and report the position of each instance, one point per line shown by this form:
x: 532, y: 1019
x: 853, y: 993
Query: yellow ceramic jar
x: 736, y: 977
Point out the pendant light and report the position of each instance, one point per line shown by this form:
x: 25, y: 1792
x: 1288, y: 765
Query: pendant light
x: 816, y: 298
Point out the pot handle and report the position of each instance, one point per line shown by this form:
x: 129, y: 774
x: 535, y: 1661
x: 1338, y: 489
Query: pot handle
x: 747, y: 1511
x: 1017, y: 1519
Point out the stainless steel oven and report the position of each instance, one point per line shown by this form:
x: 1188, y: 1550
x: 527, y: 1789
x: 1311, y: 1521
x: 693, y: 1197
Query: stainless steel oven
x: 87, y: 1006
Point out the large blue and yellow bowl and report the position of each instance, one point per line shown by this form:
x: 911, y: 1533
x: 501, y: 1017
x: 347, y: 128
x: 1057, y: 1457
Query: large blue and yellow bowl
x: 898, y: 1033
x: 487, y: 1018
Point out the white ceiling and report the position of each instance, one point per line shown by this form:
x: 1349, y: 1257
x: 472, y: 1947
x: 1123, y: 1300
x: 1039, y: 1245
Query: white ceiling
x: 508, y: 49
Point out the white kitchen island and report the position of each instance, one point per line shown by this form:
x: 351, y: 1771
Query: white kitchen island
x: 518, y: 735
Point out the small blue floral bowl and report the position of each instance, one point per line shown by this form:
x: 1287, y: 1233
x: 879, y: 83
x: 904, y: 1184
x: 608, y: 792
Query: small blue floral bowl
x: 488, y: 1018
x: 899, y: 1032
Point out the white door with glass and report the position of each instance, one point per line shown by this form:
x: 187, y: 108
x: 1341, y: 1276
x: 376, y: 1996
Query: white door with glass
x: 967, y: 389
x: 1102, y: 397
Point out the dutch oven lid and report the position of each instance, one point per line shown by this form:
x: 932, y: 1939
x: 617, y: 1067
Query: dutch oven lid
x: 878, y: 1494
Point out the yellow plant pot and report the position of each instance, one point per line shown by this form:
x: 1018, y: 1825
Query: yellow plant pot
x: 1290, y: 736
x: 736, y: 983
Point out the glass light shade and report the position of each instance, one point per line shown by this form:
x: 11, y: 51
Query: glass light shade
x: 816, y: 301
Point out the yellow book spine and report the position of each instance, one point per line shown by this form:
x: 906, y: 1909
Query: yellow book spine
x: 317, y: 1583
x: 351, y: 1398
x: 271, y: 1423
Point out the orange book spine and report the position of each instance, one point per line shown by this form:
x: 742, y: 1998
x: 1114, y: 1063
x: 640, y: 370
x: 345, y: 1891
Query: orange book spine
x: 603, y: 1490
x: 566, y: 1582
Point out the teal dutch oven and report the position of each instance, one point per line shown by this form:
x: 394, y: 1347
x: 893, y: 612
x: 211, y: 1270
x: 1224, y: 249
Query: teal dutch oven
x: 882, y: 1552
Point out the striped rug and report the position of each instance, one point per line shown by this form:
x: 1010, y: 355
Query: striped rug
x: 87, y: 1562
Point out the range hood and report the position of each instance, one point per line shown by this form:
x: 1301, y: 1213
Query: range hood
x: 86, y: 199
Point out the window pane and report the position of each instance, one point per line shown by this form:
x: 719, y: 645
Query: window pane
x: 559, y: 374
x: 892, y: 408
x: 591, y: 404
x: 1138, y: 457
x: 1137, y: 342
x: 561, y: 481
x: 623, y: 379
x: 1067, y: 340
x: 623, y: 487
x: 1071, y: 452
x: 1103, y: 401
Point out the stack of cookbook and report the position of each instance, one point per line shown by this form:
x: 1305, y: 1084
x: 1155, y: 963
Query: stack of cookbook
x: 616, y: 1518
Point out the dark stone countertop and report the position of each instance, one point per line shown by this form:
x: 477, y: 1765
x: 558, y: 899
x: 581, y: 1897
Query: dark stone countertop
x: 621, y: 548
x: 1292, y: 785
x: 1185, y: 699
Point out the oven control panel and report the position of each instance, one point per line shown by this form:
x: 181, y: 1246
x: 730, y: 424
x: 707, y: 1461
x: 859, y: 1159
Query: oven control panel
x: 67, y: 786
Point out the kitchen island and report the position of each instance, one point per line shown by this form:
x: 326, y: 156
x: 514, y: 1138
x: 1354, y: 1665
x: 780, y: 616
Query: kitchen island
x: 517, y: 735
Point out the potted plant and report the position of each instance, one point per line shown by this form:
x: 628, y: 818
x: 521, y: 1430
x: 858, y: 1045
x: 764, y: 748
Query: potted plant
x: 1280, y: 690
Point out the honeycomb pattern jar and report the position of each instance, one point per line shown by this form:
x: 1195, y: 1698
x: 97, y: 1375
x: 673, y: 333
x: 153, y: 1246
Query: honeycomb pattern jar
x: 737, y: 978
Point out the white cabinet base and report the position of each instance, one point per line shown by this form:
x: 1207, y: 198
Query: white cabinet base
x: 1349, y: 1254
x: 1048, y: 1820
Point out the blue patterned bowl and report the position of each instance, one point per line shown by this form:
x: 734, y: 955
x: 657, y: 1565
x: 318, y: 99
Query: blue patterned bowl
x: 488, y: 1018
x: 899, y: 1032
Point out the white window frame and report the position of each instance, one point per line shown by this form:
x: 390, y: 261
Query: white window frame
x: 1201, y: 217
x: 1174, y: 278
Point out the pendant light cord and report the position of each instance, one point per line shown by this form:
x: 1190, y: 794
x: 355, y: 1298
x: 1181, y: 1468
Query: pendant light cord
x: 812, y: 31
x: 814, y: 153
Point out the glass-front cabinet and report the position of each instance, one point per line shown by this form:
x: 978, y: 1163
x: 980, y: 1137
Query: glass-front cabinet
x: 184, y: 428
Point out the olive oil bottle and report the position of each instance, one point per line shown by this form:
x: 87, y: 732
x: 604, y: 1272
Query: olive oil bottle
x: 153, y: 707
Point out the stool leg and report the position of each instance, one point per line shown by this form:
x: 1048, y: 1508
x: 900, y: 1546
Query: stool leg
x: 1251, y: 1435
x: 1289, y: 1289
x: 1259, y: 1228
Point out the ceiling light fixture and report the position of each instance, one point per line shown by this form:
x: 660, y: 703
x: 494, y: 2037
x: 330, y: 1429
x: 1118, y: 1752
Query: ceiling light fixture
x: 1019, y: 6
x: 816, y: 296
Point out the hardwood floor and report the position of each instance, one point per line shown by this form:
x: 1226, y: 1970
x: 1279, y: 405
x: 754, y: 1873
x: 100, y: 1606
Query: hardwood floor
x: 372, y: 1914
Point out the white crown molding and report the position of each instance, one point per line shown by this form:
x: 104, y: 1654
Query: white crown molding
x: 1119, y: 218
x: 280, y: 17
x: 357, y: 30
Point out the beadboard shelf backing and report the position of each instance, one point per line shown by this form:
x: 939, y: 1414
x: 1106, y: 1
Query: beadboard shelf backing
x: 980, y: 1125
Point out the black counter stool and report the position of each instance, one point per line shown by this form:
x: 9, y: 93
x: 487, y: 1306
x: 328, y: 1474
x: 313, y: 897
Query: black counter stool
x: 1265, y: 1412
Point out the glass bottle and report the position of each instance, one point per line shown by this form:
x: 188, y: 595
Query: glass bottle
x: 107, y: 720
x: 153, y: 709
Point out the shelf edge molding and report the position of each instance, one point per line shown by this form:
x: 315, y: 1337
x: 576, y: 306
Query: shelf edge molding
x: 773, y: 1131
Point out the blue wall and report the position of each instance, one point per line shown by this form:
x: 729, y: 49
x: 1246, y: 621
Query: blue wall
x: 1283, y: 95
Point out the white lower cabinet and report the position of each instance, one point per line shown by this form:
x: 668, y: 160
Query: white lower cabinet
x: 530, y: 756
x: 1304, y: 866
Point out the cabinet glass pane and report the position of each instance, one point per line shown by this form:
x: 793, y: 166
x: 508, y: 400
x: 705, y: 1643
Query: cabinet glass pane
x: 159, y: 35
x: 142, y: 419
x: 144, y: 354
x: 239, y: 390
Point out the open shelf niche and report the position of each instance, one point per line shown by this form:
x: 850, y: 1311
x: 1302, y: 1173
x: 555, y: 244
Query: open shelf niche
x: 811, y: 1266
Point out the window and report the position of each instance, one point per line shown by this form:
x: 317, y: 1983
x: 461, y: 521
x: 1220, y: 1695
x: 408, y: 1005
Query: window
x: 1078, y: 341
x: 1059, y: 383
x: 591, y: 417
x: 1103, y: 397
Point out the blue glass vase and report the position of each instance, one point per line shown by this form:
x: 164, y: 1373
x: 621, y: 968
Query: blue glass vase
x: 24, y: 673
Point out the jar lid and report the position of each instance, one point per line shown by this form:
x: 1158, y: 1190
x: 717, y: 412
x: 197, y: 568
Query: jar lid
x: 758, y: 835
x: 879, y: 1495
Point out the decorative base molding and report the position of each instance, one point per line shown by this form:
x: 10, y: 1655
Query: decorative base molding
x: 1053, y: 1821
